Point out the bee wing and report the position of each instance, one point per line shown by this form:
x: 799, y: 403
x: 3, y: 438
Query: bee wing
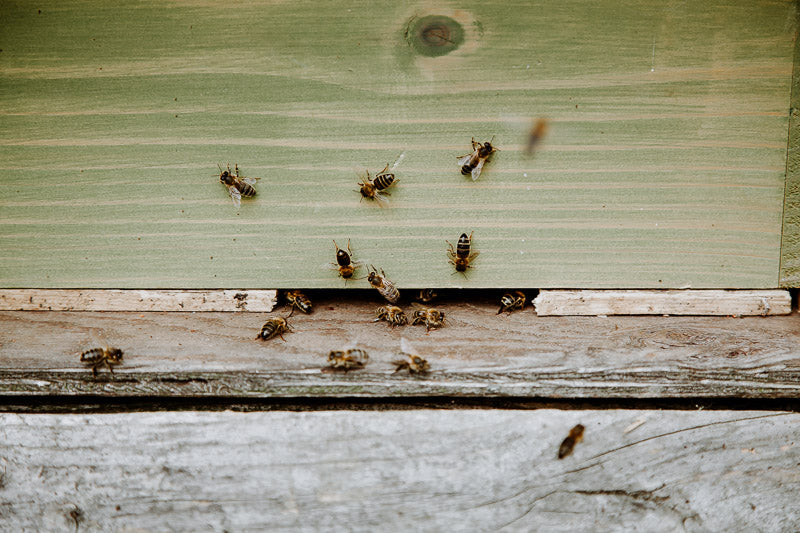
x: 357, y: 264
x: 464, y: 159
x: 381, y: 198
x: 250, y: 181
x: 330, y: 266
x: 474, y: 255
x: 476, y: 172
x: 236, y: 196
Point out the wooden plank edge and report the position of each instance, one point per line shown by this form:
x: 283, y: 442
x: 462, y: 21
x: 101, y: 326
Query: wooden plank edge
x: 258, y: 301
x: 663, y: 302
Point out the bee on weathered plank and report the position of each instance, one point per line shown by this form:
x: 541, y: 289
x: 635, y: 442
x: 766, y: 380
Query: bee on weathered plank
x: 297, y: 299
x: 432, y: 318
x: 391, y: 314
x: 375, y: 189
x: 414, y: 363
x: 568, y: 444
x: 344, y: 262
x: 98, y: 357
x: 274, y: 327
x: 472, y: 163
x: 345, y: 360
x: 512, y: 301
x: 237, y: 184
x: 427, y: 295
x: 383, y: 285
x: 461, y: 257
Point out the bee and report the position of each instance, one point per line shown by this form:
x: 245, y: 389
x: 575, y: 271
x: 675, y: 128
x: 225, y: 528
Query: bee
x: 345, y: 360
x: 298, y: 300
x: 432, y: 318
x: 536, y: 135
x: 375, y: 189
x: 460, y: 257
x: 98, y: 357
x: 472, y: 163
x: 344, y: 263
x: 427, y: 295
x: 384, y: 286
x: 391, y: 314
x: 414, y: 364
x: 512, y: 301
x: 568, y: 444
x: 274, y: 327
x: 237, y: 185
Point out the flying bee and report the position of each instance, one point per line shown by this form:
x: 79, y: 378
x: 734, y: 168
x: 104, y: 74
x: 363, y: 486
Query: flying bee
x: 568, y: 444
x: 375, y: 189
x: 414, y: 364
x: 460, y: 257
x: 274, y: 327
x: 237, y: 185
x: 536, y: 135
x: 344, y: 360
x: 344, y: 262
x: 426, y: 295
x: 432, y: 318
x: 297, y: 299
x: 472, y: 163
x: 512, y: 301
x: 384, y: 286
x: 98, y: 357
x: 391, y: 314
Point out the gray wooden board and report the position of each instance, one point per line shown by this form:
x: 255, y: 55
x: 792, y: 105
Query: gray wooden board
x: 400, y: 471
x: 478, y: 354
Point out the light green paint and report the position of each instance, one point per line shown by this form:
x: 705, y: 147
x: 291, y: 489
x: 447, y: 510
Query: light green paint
x: 664, y: 165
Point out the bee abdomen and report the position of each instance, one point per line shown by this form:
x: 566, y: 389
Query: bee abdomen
x: 382, y: 181
x: 390, y: 292
x: 462, y: 250
x: 466, y: 169
x: 92, y: 356
x: 246, y: 189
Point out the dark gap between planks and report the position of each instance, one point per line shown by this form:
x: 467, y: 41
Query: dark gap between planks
x: 97, y: 404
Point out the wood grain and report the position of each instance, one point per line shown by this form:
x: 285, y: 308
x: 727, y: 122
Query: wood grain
x: 687, y: 302
x: 790, y: 237
x: 136, y: 300
x: 478, y: 354
x: 390, y: 471
x: 664, y: 165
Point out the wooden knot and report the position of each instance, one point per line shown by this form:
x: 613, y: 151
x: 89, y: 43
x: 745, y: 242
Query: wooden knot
x: 434, y: 35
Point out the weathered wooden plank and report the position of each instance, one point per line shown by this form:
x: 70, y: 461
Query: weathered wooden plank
x: 478, y: 354
x: 664, y: 165
x: 790, y: 237
x: 136, y: 300
x: 686, y: 302
x: 388, y: 471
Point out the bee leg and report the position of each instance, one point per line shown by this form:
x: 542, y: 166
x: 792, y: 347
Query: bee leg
x: 94, y: 368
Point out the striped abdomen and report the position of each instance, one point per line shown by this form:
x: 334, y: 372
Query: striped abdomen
x: 299, y: 300
x: 462, y: 249
x: 272, y: 328
x: 383, y: 180
x: 245, y: 189
x: 469, y: 165
x: 94, y: 355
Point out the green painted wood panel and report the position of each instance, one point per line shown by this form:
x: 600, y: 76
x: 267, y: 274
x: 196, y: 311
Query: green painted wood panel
x: 790, y: 239
x: 664, y: 165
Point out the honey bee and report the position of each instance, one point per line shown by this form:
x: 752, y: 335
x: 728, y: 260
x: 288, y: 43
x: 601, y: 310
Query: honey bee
x: 391, y: 314
x: 98, y: 357
x: 344, y: 263
x: 344, y: 360
x: 460, y: 257
x: 538, y: 132
x: 237, y: 185
x: 472, y: 163
x: 375, y: 189
x: 568, y: 444
x: 512, y: 301
x: 432, y: 318
x: 384, y: 286
x: 414, y: 364
x: 297, y: 299
x: 427, y: 295
x: 274, y: 327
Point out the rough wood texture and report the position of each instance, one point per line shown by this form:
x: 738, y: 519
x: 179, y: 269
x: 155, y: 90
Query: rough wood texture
x: 478, y: 354
x: 664, y: 165
x: 689, y: 302
x: 400, y: 471
x: 136, y: 300
x: 790, y: 238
